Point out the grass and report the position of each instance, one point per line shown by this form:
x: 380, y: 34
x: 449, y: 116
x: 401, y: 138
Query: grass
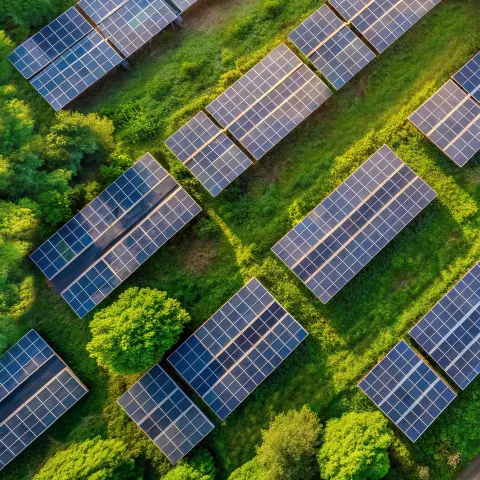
x: 170, y: 80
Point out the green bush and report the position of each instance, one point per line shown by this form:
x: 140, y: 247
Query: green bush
x: 355, y: 447
x: 134, y: 332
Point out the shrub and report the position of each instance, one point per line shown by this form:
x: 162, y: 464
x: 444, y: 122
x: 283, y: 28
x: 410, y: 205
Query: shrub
x: 134, y: 332
x: 94, y: 459
x: 356, y: 447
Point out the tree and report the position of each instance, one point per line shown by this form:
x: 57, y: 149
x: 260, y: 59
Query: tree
x: 356, y: 447
x: 289, y: 445
x: 75, y: 138
x: 251, y: 470
x: 94, y: 459
x: 6, y: 46
x: 134, y: 332
x: 200, y: 467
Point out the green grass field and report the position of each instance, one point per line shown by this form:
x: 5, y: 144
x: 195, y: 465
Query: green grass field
x: 170, y: 80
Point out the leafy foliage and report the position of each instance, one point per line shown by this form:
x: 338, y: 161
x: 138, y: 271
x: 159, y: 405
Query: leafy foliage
x: 356, y: 447
x: 94, y: 459
x: 200, y: 467
x: 134, y: 332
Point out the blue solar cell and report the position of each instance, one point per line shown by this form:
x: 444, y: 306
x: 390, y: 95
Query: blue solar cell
x: 50, y: 42
x: 165, y: 414
x: 450, y: 331
x: 121, y: 260
x: 19, y: 362
x: 407, y: 390
x: 335, y: 241
x: 98, y: 10
x: 237, y: 348
x: 468, y: 77
x: 98, y: 216
x: 135, y: 23
x: 76, y: 70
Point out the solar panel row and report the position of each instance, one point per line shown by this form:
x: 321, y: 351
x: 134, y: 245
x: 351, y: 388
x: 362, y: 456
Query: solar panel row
x: 113, y: 235
x: 269, y: 101
x: 407, y: 390
x: 135, y: 23
x: 340, y: 236
x: 208, y: 153
x: 450, y: 331
x: 169, y: 418
x: 21, y: 361
x: 50, y: 42
x: 98, y: 216
x: 450, y: 119
x: 36, y: 388
x: 382, y: 22
x: 121, y: 260
x: 468, y: 77
x: 76, y: 70
x: 40, y: 411
x: 98, y: 10
x: 237, y: 348
x: 335, y: 50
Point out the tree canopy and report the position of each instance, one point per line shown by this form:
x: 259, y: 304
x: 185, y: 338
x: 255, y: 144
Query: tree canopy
x: 200, y: 467
x: 94, y: 459
x: 287, y: 451
x: 135, y: 331
x: 355, y: 447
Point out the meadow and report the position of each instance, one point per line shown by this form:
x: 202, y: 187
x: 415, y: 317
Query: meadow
x: 170, y: 80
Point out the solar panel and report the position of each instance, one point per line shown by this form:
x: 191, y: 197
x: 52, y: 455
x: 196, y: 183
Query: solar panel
x: 135, y: 23
x: 450, y: 331
x: 335, y: 50
x: 98, y: 10
x: 50, y: 42
x: 76, y: 70
x: 21, y: 361
x: 451, y: 120
x: 208, y: 153
x: 342, y: 234
x: 237, y: 348
x: 169, y: 418
x: 250, y: 88
x: 98, y: 216
x: 27, y: 423
x: 182, y: 5
x: 382, y: 22
x: 468, y: 77
x: 407, y: 390
x: 280, y: 111
x: 121, y: 260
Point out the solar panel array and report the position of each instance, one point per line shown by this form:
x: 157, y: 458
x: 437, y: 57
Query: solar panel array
x: 335, y: 50
x: 98, y: 216
x: 382, y: 22
x: 208, y: 153
x: 451, y: 120
x: 237, y: 348
x: 98, y: 10
x: 50, y: 42
x: 407, y: 390
x: 342, y: 234
x: 468, y: 77
x: 76, y: 70
x: 269, y: 101
x: 135, y: 23
x: 22, y: 360
x: 120, y: 261
x: 169, y: 418
x: 36, y: 388
x: 41, y: 411
x: 450, y: 331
